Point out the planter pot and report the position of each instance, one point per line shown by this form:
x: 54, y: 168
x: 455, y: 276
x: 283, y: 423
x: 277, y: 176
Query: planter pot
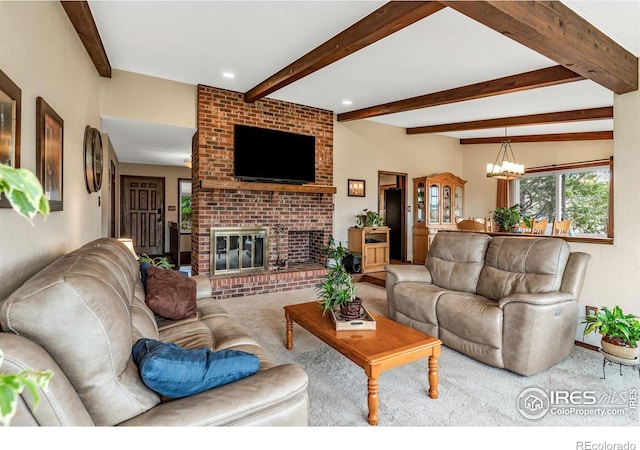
x: 351, y: 310
x: 618, y: 350
x: 352, y: 264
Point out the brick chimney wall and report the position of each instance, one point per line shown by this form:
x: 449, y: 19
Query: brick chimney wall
x: 305, y: 220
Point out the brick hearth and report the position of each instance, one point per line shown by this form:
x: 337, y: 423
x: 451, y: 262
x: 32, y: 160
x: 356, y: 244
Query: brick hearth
x: 303, y: 220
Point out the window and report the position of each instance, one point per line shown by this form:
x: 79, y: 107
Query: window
x: 184, y: 194
x: 580, y: 192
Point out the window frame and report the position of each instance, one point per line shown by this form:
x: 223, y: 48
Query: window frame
x: 560, y: 169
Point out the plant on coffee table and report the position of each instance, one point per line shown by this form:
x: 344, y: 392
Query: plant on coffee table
x: 339, y: 289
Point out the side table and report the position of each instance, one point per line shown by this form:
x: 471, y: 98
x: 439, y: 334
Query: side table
x: 611, y: 360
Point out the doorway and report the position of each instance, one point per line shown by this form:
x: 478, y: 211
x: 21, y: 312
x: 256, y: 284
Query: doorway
x: 112, y: 199
x: 392, y: 205
x: 142, y: 213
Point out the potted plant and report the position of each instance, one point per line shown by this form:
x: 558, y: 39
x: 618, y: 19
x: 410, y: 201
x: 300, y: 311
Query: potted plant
x: 334, y: 253
x: 353, y: 262
x: 620, y: 332
x: 508, y: 219
x: 158, y: 261
x: 25, y: 194
x: 339, y: 290
x: 368, y: 219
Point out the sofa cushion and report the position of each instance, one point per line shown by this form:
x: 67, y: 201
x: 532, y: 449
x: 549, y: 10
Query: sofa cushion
x: 143, y: 273
x: 176, y: 372
x: 523, y: 265
x: 170, y: 294
x: 418, y: 300
x: 471, y: 317
x: 456, y: 259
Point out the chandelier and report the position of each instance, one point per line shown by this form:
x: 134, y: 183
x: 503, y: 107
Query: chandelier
x: 505, y: 166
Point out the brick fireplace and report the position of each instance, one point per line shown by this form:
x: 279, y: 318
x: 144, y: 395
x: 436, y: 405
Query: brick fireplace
x: 297, y: 221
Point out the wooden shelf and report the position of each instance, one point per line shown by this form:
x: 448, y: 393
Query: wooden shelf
x: 273, y: 187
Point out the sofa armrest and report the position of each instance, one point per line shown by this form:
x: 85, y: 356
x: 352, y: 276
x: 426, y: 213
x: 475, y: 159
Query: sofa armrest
x: 408, y: 272
x: 276, y: 396
x: 59, y: 403
x: 203, y: 286
x: 541, y: 298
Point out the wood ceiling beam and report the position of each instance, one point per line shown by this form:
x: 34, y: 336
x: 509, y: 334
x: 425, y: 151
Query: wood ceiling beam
x: 554, y: 30
x: 549, y: 76
x: 383, y: 22
x: 555, y: 137
x: 80, y: 15
x: 533, y: 119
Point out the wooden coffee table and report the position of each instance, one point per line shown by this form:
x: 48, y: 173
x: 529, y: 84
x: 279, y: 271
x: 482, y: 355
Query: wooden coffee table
x: 390, y: 345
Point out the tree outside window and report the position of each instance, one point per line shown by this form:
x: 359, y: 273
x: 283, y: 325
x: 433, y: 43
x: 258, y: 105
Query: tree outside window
x: 184, y: 194
x: 581, y: 194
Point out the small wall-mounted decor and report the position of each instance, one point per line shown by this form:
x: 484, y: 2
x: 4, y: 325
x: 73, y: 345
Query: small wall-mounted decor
x: 356, y: 188
x: 49, y: 152
x: 10, y: 107
x: 92, y: 159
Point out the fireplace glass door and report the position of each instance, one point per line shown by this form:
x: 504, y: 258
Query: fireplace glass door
x: 238, y: 249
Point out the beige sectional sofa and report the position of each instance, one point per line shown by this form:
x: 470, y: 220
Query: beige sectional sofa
x: 510, y: 302
x: 80, y: 317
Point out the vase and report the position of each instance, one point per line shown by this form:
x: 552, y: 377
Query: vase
x: 351, y: 310
x: 619, y: 350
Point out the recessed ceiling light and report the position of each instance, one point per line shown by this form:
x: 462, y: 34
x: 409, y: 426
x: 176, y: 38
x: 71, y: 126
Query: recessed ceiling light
x: 228, y: 75
x: 347, y: 102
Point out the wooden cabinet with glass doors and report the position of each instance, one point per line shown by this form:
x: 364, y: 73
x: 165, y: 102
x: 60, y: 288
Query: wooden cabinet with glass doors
x: 438, y: 201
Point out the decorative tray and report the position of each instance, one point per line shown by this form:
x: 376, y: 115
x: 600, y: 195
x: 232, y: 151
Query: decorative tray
x: 364, y: 322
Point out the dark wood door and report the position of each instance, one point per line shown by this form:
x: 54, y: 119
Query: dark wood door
x: 112, y: 198
x: 143, y: 213
x: 393, y: 219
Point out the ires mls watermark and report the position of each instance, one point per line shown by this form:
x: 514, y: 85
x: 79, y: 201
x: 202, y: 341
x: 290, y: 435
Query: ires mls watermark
x: 534, y: 403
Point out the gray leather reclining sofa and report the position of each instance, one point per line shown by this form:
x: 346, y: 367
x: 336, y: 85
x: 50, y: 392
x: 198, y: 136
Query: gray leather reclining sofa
x: 80, y: 317
x: 510, y: 302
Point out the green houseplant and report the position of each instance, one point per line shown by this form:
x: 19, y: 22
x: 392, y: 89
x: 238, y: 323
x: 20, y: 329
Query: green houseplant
x: 339, y: 289
x: 368, y: 219
x: 620, y: 332
x: 158, y: 261
x: 509, y: 218
x: 25, y: 194
x: 333, y: 252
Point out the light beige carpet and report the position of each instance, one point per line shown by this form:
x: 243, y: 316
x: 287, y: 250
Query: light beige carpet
x: 471, y: 393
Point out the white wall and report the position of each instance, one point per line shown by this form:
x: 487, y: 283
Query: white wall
x: 42, y: 53
x: 362, y: 148
x: 132, y: 96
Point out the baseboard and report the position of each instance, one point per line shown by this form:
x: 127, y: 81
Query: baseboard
x: 587, y: 346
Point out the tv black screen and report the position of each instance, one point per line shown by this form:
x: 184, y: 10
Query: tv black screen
x: 261, y: 154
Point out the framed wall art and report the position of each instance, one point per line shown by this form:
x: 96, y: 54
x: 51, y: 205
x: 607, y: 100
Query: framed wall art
x: 49, y: 152
x: 356, y: 188
x: 10, y: 110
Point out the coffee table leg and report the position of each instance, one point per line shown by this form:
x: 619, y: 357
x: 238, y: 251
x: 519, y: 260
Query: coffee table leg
x: 373, y: 401
x: 289, y: 331
x: 433, y: 376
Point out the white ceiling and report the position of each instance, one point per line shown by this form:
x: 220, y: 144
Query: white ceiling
x: 195, y: 42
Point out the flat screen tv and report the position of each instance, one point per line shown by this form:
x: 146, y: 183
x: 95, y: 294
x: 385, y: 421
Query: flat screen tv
x: 273, y: 156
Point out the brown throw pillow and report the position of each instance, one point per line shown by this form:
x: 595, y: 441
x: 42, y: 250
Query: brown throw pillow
x: 170, y: 294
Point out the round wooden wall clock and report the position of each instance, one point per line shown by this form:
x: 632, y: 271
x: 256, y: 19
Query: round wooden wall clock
x: 93, y: 159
